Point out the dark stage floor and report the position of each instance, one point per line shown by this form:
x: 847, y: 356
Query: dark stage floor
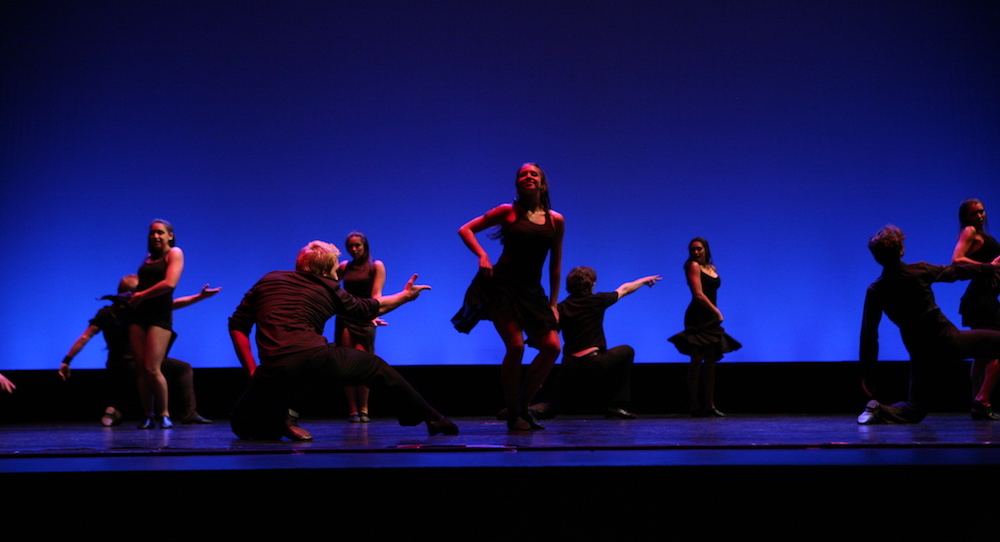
x: 742, y: 477
x: 943, y: 439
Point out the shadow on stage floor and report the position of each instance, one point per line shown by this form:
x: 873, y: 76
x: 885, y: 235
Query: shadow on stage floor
x: 662, y: 476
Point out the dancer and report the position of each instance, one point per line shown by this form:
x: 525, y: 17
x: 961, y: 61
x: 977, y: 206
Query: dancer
x: 903, y: 293
x: 703, y: 338
x: 290, y: 309
x: 362, y: 277
x: 113, y: 320
x: 588, y: 366
x: 510, y: 294
x: 152, y: 320
x: 980, y: 308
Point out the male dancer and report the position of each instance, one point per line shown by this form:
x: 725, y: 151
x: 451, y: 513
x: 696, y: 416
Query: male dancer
x: 591, y: 372
x: 114, y: 321
x: 903, y: 293
x: 290, y: 309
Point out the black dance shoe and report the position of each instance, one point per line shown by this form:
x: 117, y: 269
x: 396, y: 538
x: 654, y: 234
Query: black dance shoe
x: 111, y: 417
x: 196, y: 418
x: 165, y: 422
x: 292, y: 430
x: 148, y: 423
x: 525, y: 420
x: 983, y: 412
x: 444, y: 426
x: 619, y: 413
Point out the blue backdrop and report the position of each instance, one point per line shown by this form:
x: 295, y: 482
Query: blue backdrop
x: 785, y: 132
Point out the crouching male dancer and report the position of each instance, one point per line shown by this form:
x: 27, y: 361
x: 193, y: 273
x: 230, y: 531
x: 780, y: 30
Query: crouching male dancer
x: 591, y: 372
x: 903, y: 293
x: 290, y: 309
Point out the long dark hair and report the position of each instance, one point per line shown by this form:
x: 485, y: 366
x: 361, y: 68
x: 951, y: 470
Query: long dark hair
x: 364, y: 242
x: 708, y: 251
x: 521, y: 209
x: 963, y: 213
x: 543, y: 198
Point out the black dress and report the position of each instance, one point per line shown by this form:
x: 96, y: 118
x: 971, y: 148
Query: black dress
x: 154, y: 311
x: 980, y: 308
x: 702, y: 333
x: 358, y: 280
x: 513, y: 293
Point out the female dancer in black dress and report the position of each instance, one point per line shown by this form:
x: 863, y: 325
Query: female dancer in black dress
x: 980, y: 308
x: 362, y: 277
x: 510, y: 294
x: 152, y: 321
x: 703, y: 337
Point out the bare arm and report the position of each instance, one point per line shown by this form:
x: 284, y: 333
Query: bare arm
x: 694, y: 283
x: 241, y: 343
x: 555, y: 262
x: 188, y: 300
x: 502, y: 214
x: 963, y: 247
x: 411, y: 291
x: 175, y: 266
x: 630, y: 287
x: 377, y: 284
x: 81, y: 341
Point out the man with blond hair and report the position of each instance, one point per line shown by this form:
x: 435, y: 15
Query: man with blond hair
x: 290, y: 309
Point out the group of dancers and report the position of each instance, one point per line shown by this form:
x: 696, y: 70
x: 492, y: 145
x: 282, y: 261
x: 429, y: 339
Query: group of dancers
x: 291, y: 308
x: 903, y: 293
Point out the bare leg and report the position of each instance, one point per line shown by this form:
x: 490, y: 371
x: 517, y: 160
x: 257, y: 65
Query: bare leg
x: 351, y: 392
x: 708, y: 384
x: 150, y: 347
x: 541, y: 366
x: 986, y: 372
x: 510, y: 368
x: 694, y: 384
x: 357, y: 396
x: 363, y: 393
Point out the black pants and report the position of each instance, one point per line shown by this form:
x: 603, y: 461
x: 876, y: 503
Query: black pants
x: 950, y: 345
x: 262, y: 410
x: 597, y: 381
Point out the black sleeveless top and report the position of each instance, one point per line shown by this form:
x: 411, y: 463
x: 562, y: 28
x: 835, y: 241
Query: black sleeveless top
x: 525, y: 247
x: 157, y: 310
x: 979, y: 307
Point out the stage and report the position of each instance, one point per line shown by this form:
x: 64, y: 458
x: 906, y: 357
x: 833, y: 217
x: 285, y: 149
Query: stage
x: 664, y: 475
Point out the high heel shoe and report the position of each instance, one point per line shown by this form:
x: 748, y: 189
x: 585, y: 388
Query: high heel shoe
x: 148, y: 423
x: 525, y: 420
x: 983, y: 412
